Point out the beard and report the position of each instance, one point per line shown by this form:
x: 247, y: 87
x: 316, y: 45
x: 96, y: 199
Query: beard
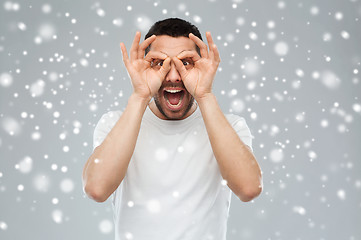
x: 161, y: 110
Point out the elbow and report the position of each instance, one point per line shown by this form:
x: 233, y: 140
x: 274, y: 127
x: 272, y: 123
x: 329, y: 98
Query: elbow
x: 250, y: 193
x: 246, y: 197
x: 94, y: 193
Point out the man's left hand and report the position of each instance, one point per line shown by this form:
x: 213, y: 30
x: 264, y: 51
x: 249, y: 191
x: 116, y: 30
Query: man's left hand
x: 198, y: 72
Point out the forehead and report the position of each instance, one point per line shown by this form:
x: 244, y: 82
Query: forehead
x: 172, y: 46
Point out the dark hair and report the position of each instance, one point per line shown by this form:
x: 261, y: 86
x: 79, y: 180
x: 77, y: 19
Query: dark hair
x: 174, y: 27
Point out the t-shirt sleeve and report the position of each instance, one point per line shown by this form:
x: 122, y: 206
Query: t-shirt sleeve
x: 240, y: 126
x: 104, y: 125
x: 102, y: 129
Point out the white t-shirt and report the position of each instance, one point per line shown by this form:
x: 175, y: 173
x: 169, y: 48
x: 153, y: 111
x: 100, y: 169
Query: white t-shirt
x: 173, y: 188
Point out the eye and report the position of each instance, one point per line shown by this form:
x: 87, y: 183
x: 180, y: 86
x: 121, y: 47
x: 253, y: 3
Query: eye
x: 188, y: 63
x: 157, y: 63
x: 185, y: 62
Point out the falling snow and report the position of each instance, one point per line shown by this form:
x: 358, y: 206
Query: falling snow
x: 57, y: 216
x: 67, y: 185
x: 41, y: 183
x: 106, y: 226
x: 3, y: 225
x: 25, y: 165
x: 6, y: 79
x: 153, y: 206
x: 299, y: 209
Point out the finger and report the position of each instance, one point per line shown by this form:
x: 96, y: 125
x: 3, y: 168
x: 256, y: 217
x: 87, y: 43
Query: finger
x: 202, y: 46
x: 135, y: 46
x: 124, y: 53
x: 210, y: 45
x: 144, y: 45
x: 189, y: 54
x: 180, y: 67
x: 213, y: 51
x: 165, y: 68
x: 155, y: 55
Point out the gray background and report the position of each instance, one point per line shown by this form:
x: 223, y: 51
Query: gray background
x: 291, y: 69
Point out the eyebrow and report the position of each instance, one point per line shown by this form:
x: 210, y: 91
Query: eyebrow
x: 179, y: 52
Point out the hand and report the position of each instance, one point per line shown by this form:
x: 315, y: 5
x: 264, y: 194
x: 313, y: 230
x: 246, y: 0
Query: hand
x: 198, y: 72
x: 146, y: 75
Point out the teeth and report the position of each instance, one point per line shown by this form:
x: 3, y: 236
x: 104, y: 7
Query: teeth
x: 173, y: 91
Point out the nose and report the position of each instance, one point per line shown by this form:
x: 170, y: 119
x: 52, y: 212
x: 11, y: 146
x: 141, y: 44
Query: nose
x: 173, y: 74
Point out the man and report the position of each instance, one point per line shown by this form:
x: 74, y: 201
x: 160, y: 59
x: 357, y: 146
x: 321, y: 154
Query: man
x: 170, y: 164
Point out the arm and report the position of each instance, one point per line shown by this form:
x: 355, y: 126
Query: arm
x: 103, y: 176
x: 107, y: 166
x: 236, y: 162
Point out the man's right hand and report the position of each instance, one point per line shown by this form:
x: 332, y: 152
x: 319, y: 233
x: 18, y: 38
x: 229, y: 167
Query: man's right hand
x: 146, y: 73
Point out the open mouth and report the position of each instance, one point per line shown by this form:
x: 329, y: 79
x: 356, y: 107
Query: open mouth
x: 174, y: 98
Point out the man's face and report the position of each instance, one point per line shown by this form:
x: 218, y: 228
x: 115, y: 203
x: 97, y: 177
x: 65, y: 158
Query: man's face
x: 173, y: 100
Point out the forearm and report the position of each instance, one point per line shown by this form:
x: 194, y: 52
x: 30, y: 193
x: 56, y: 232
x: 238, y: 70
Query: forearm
x: 236, y: 162
x: 107, y: 166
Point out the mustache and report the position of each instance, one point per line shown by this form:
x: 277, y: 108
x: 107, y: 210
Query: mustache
x: 172, y: 84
